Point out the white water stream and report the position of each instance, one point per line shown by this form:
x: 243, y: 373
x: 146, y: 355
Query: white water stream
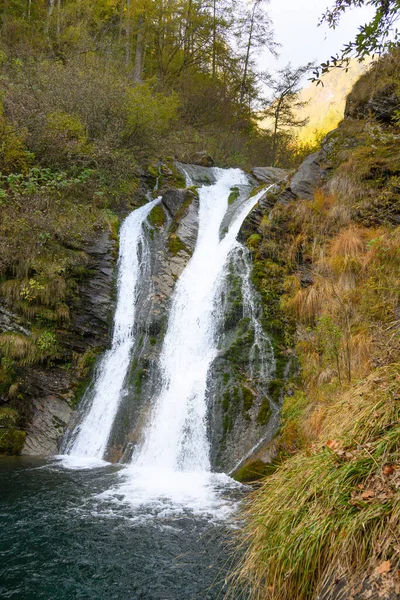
x: 171, y: 467
x: 176, y: 439
x: 90, y: 438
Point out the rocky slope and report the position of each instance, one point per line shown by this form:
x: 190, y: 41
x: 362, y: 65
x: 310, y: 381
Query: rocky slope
x: 323, y: 522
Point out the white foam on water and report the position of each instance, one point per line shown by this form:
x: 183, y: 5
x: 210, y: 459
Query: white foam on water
x: 152, y: 494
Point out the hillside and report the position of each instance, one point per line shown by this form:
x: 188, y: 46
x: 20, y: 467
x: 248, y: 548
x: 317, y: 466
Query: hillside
x: 325, y: 523
x: 325, y: 104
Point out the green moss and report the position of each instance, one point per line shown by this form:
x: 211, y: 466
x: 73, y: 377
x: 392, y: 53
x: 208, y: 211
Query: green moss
x: 226, y: 401
x: 152, y: 340
x: 234, y: 195
x: 139, y: 376
x: 182, y: 211
x: 274, y: 389
x: 254, y: 471
x: 8, y: 417
x: 254, y: 241
x: 264, y: 414
x: 85, y: 365
x: 12, y: 440
x: 157, y: 216
x: 175, y: 245
x: 154, y: 170
x: 248, y: 398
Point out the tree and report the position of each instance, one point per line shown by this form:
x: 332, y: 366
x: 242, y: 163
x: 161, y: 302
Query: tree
x: 282, y: 106
x: 376, y: 37
x: 254, y: 31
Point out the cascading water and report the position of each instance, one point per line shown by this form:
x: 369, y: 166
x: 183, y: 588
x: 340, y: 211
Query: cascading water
x: 105, y: 516
x: 176, y: 439
x: 172, y: 464
x: 90, y: 438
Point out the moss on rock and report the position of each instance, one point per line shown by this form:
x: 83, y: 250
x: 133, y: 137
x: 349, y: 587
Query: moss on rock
x: 157, y: 216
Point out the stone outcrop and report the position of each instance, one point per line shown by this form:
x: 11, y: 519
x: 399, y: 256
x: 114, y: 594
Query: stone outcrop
x: 270, y: 175
x: 46, y: 392
x: 202, y: 159
x: 51, y: 391
x: 51, y: 394
x: 310, y: 175
x: 382, y: 105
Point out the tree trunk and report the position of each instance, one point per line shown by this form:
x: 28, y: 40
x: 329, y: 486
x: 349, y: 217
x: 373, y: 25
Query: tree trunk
x: 214, y: 42
x: 50, y: 11
x: 275, y: 136
x: 137, y: 69
x: 128, y: 33
x: 247, y: 58
x: 58, y: 18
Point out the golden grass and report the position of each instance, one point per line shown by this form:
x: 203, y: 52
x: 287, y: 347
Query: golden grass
x: 349, y: 243
x: 28, y: 350
x: 310, y: 524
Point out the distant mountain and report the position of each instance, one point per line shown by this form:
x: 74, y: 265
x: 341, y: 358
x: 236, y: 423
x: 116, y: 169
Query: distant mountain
x: 326, y: 103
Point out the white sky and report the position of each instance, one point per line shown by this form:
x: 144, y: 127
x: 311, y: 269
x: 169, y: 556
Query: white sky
x: 295, y: 24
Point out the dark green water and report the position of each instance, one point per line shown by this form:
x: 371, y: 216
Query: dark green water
x: 58, y: 540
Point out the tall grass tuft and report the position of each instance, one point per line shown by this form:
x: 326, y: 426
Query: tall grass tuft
x: 329, y: 513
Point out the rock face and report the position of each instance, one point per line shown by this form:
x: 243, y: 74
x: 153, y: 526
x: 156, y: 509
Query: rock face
x: 270, y: 175
x: 51, y: 411
x: 51, y: 391
x: 310, y: 175
x: 382, y: 105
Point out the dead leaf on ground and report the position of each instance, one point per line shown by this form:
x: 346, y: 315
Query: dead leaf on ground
x: 388, y: 469
x: 333, y: 444
x: 383, y: 567
x: 367, y: 494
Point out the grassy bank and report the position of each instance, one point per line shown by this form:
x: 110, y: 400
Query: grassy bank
x: 329, y: 515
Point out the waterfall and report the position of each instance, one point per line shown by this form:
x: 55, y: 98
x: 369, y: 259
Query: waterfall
x: 176, y: 439
x: 90, y: 438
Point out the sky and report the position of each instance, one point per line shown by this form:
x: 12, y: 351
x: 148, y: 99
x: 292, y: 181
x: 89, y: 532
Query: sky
x: 295, y: 25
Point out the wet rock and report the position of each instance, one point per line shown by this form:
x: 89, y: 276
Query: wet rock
x: 144, y: 379
x: 91, y: 313
x: 174, y: 200
x: 50, y: 394
x: 49, y: 391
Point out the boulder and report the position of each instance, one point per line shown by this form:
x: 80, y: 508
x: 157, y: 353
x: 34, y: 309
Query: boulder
x: 203, y: 159
x: 270, y: 174
x: 309, y: 176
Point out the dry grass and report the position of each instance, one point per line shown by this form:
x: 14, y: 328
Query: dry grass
x: 349, y: 243
x: 322, y: 515
x: 25, y: 351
